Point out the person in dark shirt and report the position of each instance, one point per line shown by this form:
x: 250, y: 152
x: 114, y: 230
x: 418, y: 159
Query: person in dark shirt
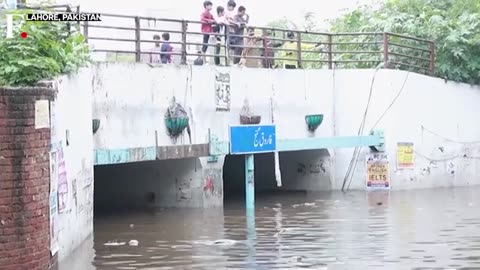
x: 207, y: 24
x: 166, y: 49
x: 240, y: 23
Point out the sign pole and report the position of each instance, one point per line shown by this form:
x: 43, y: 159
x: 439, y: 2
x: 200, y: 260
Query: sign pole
x: 249, y: 181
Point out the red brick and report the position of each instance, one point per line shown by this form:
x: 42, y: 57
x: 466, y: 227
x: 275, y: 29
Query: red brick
x: 24, y: 182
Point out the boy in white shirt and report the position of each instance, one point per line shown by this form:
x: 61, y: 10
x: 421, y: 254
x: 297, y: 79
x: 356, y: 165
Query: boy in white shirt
x: 219, y: 29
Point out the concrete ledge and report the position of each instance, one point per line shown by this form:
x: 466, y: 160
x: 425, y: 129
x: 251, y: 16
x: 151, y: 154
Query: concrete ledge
x: 328, y: 142
x: 117, y: 156
x: 182, y: 151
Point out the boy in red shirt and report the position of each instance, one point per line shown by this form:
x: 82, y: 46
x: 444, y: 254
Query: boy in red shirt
x: 207, y: 21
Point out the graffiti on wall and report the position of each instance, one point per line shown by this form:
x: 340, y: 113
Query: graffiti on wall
x: 62, y: 181
x: 184, y: 190
x: 313, y: 168
x: 222, y: 91
x: 209, y: 187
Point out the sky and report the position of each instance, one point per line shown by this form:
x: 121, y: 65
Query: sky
x: 261, y: 11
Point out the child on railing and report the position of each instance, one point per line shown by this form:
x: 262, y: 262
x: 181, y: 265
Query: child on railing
x: 237, y: 41
x: 154, y: 56
x: 166, y: 49
x: 207, y: 24
x: 219, y: 29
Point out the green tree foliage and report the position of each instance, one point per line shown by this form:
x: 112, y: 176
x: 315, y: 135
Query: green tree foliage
x: 51, y: 49
x: 453, y: 24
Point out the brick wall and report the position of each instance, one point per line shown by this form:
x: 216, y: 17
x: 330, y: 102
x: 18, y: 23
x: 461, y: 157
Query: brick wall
x: 24, y: 182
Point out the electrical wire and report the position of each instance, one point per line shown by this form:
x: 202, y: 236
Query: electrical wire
x: 354, y: 161
x: 351, y: 170
x: 447, y: 139
x: 393, y: 102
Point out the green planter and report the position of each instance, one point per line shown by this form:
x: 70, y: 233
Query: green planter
x: 175, y: 126
x: 313, y: 121
x: 95, y: 125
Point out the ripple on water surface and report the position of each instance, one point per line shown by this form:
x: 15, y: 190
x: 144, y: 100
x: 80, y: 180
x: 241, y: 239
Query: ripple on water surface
x: 427, y: 229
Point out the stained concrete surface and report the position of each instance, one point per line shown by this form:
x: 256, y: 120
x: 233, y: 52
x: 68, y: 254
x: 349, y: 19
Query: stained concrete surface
x: 331, y: 230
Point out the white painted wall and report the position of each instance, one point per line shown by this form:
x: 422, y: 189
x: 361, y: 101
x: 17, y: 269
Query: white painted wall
x: 426, y: 104
x: 73, y: 113
x: 132, y: 98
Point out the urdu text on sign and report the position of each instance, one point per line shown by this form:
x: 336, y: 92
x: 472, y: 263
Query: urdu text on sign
x: 251, y: 139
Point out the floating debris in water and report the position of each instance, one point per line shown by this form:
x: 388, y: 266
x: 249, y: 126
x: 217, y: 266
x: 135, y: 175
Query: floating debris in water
x: 224, y: 242
x: 114, y: 243
x: 133, y: 243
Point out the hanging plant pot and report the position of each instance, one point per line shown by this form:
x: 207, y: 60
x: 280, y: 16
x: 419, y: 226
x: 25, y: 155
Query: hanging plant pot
x: 176, y: 125
x: 313, y: 121
x: 95, y: 125
x: 250, y: 120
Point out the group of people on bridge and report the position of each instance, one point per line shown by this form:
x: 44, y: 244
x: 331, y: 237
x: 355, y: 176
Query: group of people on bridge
x: 227, y: 29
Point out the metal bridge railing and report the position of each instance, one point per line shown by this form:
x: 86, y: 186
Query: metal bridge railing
x: 130, y: 38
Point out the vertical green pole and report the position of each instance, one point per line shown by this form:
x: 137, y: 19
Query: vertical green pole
x: 249, y: 182
x: 250, y: 208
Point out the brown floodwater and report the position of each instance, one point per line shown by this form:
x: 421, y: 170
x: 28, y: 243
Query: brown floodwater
x: 423, y: 229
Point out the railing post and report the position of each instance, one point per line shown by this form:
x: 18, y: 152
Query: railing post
x: 78, y: 12
x: 265, y: 48
x: 184, y: 42
x: 330, y: 50
x: 137, y: 40
x: 432, y: 58
x: 85, y: 31
x: 69, y: 26
x: 385, y: 50
x: 227, y: 47
x: 299, y: 49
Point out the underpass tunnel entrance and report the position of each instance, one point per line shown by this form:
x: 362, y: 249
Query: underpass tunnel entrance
x: 234, y: 176
x: 306, y: 170
x: 146, y: 185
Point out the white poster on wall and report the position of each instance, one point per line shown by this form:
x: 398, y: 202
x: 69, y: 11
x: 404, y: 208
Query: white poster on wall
x: 378, y: 174
x: 42, y: 114
x: 53, y: 204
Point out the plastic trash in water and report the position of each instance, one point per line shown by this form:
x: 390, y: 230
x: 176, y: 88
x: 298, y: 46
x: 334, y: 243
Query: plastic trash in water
x: 133, y: 243
x: 114, y: 243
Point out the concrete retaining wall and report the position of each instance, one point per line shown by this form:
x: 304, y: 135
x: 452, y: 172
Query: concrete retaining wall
x: 71, y: 125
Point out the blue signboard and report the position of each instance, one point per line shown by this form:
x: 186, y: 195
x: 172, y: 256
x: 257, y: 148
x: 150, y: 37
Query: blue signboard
x: 251, y: 139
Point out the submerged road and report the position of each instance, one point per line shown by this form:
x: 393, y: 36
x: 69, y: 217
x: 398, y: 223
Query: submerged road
x: 421, y: 229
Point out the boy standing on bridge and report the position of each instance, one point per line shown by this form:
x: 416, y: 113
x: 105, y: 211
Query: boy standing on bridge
x: 237, y: 41
x: 207, y: 24
x: 166, y: 49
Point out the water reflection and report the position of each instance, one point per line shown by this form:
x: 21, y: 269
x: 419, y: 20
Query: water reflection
x: 401, y: 230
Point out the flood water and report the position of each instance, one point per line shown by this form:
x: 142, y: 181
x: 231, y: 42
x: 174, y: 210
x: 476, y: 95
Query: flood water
x: 425, y: 229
